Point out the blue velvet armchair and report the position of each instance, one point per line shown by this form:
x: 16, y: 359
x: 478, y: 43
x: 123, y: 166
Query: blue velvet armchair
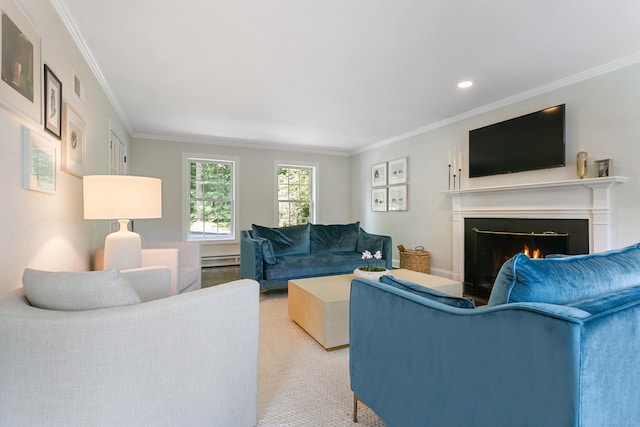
x: 558, y: 346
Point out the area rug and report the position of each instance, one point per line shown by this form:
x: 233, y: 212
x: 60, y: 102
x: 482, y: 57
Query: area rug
x: 300, y: 383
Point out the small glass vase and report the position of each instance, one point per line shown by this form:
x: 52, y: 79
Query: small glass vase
x: 371, y: 275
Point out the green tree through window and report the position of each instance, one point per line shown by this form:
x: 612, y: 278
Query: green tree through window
x: 211, y: 200
x: 295, y: 195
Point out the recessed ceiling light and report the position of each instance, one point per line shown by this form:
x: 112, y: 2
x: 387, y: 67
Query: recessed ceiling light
x: 465, y: 84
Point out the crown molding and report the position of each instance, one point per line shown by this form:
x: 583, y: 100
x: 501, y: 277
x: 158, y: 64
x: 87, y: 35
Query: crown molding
x: 558, y: 84
x: 68, y: 20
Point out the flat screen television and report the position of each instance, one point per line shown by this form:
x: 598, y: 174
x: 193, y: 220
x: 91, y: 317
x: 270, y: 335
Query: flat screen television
x: 530, y: 142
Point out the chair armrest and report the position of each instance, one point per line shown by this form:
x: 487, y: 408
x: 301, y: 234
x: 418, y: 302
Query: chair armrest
x: 168, y: 257
x: 149, y: 282
x: 190, y: 252
x: 251, y: 262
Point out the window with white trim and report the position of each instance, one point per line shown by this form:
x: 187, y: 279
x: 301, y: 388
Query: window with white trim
x: 296, y: 194
x: 211, y: 199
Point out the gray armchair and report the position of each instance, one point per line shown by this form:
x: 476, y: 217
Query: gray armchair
x: 189, y: 359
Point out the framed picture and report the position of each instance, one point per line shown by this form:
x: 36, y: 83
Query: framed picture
x: 78, y: 88
x: 379, y: 199
x: 52, y: 103
x: 398, y: 171
x: 379, y: 175
x: 603, y: 167
x: 20, y: 62
x: 398, y: 198
x: 73, y: 144
x: 40, y: 162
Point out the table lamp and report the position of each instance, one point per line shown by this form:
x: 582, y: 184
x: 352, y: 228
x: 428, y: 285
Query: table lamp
x: 122, y: 198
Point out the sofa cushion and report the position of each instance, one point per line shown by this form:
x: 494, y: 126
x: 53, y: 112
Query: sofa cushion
x: 74, y: 291
x: 285, y: 240
x: 427, y: 293
x: 334, y: 237
x: 367, y: 242
x: 563, y: 280
x: 311, y: 265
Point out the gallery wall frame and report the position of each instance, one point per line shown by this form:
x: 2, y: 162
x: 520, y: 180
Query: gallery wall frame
x: 20, y: 62
x: 389, y: 185
x: 73, y: 142
x: 40, y: 162
x: 398, y: 171
x: 78, y: 88
x: 379, y: 199
x: 379, y: 175
x: 52, y: 103
x: 397, y: 198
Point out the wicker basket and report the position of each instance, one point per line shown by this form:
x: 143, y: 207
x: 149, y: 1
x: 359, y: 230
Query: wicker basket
x: 417, y: 259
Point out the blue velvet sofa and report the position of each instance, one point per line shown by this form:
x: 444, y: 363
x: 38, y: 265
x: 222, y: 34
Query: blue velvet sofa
x: 557, y: 345
x: 273, y: 255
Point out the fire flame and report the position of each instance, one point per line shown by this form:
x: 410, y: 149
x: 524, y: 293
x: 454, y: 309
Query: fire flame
x: 536, y: 252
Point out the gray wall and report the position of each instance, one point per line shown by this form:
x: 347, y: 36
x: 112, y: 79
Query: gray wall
x: 603, y: 118
x: 40, y: 230
x: 256, y: 186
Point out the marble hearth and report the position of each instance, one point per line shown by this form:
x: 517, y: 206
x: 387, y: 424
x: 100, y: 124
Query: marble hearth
x: 572, y: 199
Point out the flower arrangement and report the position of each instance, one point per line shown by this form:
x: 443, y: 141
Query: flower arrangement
x: 369, y: 263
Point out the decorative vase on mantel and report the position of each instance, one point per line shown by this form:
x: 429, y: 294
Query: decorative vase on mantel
x: 371, y: 275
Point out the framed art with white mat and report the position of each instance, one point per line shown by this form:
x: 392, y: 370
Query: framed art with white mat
x: 73, y: 142
x: 20, y: 62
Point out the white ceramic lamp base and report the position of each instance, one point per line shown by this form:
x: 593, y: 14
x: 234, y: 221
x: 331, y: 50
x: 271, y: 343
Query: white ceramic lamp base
x: 122, y: 249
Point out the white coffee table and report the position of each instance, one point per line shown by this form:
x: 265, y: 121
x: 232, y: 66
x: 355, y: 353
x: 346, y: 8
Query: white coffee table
x: 320, y: 305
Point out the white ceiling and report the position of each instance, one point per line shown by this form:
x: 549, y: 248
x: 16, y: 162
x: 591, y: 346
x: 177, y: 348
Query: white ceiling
x: 337, y: 75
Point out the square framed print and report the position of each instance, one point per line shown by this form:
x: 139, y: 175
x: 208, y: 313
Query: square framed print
x: 398, y: 198
x: 603, y: 167
x: 398, y: 171
x: 40, y: 162
x: 379, y: 199
x: 78, y: 88
x: 73, y: 144
x: 19, y: 62
x: 52, y: 103
x: 379, y: 175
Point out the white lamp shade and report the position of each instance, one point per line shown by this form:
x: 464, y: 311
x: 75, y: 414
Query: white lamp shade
x: 121, y: 197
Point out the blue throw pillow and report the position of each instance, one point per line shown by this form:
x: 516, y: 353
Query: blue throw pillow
x: 369, y: 243
x: 428, y: 293
x: 564, y: 280
x: 335, y: 237
x: 285, y: 240
x: 268, y: 255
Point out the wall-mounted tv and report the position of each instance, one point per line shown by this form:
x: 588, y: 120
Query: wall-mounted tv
x: 530, y: 142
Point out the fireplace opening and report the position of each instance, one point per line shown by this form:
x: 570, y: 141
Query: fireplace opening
x: 489, y: 242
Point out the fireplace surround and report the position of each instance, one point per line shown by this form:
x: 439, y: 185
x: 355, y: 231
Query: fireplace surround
x: 580, y: 199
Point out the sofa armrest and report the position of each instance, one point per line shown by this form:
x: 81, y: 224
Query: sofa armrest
x: 251, y: 261
x: 149, y: 282
x: 387, y: 247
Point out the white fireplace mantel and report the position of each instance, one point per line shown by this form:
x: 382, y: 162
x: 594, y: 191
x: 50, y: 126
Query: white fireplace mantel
x: 569, y: 199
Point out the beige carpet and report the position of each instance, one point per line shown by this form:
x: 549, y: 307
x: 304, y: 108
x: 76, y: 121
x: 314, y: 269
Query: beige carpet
x: 300, y: 383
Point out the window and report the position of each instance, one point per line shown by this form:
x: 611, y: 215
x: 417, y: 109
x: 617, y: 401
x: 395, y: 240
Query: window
x: 211, y: 199
x: 296, y: 194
